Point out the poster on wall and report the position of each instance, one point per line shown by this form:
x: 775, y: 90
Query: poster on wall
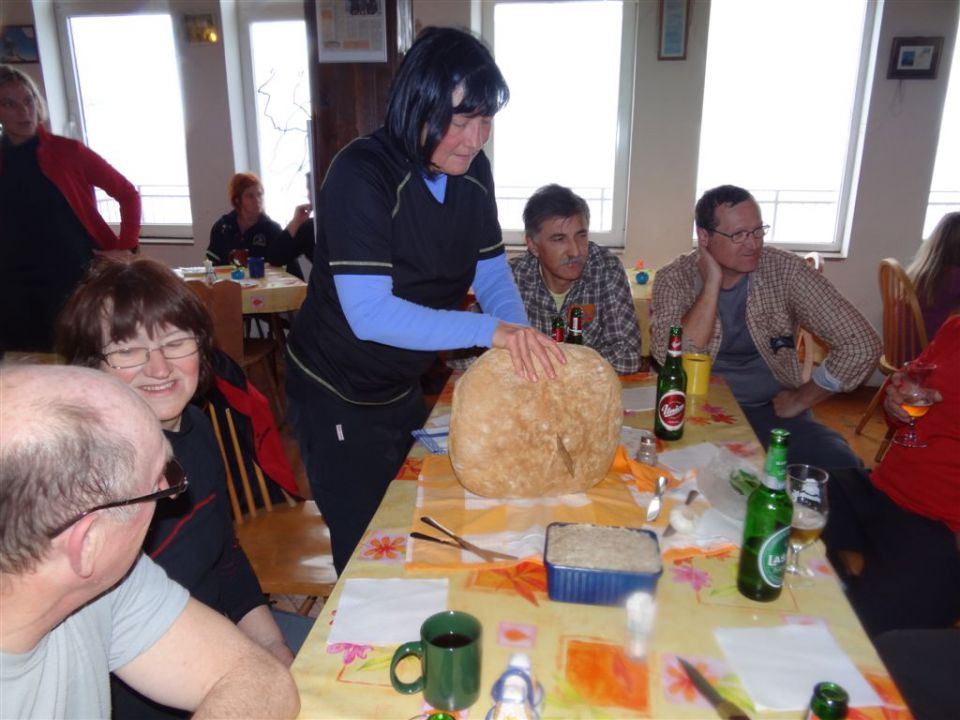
x: 352, y: 31
x: 18, y: 44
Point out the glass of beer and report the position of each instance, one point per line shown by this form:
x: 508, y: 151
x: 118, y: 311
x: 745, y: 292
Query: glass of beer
x: 916, y: 402
x: 807, y: 486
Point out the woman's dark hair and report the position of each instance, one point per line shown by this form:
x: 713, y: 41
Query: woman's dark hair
x: 121, y: 296
x: 936, y: 256
x: 421, y: 98
x: 552, y: 201
x: 706, y: 216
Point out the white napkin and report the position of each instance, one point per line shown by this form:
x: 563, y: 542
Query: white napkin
x: 779, y: 666
x: 694, y: 457
x: 639, y: 399
x: 385, y: 612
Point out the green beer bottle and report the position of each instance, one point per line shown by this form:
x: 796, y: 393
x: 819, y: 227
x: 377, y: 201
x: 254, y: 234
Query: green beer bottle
x: 767, y: 527
x: 829, y: 702
x: 575, y: 331
x: 671, y: 391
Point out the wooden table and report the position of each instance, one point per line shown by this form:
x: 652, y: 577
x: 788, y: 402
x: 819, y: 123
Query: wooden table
x: 577, y: 649
x: 278, y: 291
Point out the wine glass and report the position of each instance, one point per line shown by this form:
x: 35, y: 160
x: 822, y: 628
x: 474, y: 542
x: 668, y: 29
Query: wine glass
x: 807, y: 486
x: 916, y: 401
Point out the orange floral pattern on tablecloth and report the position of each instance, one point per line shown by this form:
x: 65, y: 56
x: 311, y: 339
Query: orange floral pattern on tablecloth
x: 526, y: 579
x: 410, y: 470
x: 385, y: 547
x: 601, y: 675
x: 678, y: 688
x: 894, y: 706
x: 518, y: 635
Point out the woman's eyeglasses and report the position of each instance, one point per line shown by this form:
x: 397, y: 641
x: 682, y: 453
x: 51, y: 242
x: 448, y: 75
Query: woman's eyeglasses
x: 131, y: 357
x: 176, y: 480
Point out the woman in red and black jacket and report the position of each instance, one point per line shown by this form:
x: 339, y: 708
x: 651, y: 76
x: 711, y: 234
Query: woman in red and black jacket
x: 49, y: 222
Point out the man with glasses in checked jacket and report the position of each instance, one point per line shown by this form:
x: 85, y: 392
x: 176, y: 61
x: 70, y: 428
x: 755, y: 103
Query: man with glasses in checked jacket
x: 83, y: 462
x: 562, y: 269
x: 742, y: 303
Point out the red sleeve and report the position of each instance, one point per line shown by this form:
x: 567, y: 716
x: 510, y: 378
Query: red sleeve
x: 103, y: 175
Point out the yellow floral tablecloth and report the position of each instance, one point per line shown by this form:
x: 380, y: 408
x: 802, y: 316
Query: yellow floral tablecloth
x: 577, y: 650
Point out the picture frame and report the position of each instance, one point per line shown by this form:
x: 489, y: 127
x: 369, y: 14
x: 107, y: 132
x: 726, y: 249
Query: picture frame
x: 673, y: 21
x: 916, y: 58
x: 352, y: 31
x: 18, y: 44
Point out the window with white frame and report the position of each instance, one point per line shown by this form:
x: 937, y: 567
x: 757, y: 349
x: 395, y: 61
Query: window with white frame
x: 782, y: 101
x: 277, y: 101
x: 945, y: 186
x: 569, y: 125
x: 125, y: 103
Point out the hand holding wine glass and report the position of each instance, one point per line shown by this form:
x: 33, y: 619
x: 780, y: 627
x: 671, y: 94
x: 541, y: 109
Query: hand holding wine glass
x: 908, y: 399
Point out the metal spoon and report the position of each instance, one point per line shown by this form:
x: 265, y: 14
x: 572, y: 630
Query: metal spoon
x: 653, y: 509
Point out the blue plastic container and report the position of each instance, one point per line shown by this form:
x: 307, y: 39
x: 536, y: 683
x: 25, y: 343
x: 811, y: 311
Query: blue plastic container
x: 591, y: 586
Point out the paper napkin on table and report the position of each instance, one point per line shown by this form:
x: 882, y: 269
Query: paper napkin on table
x: 694, y: 457
x: 639, y: 399
x: 779, y: 666
x: 385, y: 612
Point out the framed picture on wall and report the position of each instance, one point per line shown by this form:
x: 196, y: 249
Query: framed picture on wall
x: 352, y: 31
x: 674, y: 19
x: 18, y: 44
x: 915, y: 57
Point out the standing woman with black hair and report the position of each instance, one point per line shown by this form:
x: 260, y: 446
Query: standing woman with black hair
x: 407, y: 223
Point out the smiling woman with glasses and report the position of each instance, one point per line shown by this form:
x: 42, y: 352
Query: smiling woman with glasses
x: 141, y: 324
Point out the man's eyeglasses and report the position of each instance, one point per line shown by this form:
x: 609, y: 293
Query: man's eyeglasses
x: 131, y: 357
x: 741, y: 235
x: 176, y: 480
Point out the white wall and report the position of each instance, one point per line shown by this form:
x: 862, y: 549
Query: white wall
x: 899, y: 143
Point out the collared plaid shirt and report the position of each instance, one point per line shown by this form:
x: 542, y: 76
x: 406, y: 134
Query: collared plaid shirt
x: 784, y: 294
x: 612, y: 330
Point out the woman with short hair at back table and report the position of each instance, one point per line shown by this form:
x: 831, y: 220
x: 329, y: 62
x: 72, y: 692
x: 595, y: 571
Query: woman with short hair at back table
x: 406, y: 223
x: 50, y: 226
x: 248, y: 227
x: 140, y: 323
x: 935, y: 272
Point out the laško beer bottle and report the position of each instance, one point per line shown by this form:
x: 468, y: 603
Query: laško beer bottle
x: 556, y: 330
x: 766, y: 528
x: 671, y: 391
x: 575, y: 331
x: 829, y: 702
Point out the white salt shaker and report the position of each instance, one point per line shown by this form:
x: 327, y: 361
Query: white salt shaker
x: 641, y: 610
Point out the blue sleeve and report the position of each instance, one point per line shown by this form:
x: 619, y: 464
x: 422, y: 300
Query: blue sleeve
x: 497, y: 292
x: 375, y: 313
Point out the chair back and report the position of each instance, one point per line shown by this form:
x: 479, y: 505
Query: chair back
x: 224, y: 301
x: 904, y: 334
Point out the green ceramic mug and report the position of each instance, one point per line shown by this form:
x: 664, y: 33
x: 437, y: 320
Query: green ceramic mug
x: 449, y: 649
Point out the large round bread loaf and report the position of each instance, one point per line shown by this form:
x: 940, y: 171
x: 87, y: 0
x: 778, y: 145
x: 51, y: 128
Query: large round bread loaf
x: 510, y: 437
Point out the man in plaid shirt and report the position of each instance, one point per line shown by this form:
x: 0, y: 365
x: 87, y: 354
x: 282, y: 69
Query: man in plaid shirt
x: 562, y: 269
x: 742, y: 303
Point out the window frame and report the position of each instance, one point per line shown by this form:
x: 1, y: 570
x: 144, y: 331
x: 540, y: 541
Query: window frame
x: 616, y: 237
x: 64, y: 10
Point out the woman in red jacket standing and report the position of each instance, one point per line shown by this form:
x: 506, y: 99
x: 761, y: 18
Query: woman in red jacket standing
x: 50, y: 227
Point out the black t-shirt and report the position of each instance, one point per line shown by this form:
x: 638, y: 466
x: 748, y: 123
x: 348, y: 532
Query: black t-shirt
x: 376, y: 216
x: 44, y: 250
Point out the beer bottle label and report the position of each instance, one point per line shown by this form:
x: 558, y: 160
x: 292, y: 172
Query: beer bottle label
x: 558, y: 334
x: 671, y: 409
x: 772, y: 557
x: 674, y: 347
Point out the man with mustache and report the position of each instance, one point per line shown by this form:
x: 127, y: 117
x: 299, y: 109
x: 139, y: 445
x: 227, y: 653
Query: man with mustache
x: 742, y: 303
x: 562, y: 269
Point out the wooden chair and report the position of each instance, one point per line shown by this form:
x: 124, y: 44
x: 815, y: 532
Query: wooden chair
x: 224, y: 301
x: 288, y: 543
x: 809, y: 347
x: 904, y: 334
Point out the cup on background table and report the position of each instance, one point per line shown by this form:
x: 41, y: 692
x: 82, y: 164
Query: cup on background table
x: 256, y: 267
x: 449, y: 649
x: 239, y: 257
x: 697, y: 367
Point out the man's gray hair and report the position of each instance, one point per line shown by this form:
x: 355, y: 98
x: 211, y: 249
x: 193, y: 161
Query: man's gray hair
x: 73, y: 464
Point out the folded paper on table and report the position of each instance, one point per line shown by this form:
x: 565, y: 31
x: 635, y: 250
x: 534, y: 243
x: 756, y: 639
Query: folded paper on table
x: 385, y: 612
x: 639, y: 399
x: 693, y: 457
x: 513, y: 526
x: 713, y: 534
x: 779, y: 666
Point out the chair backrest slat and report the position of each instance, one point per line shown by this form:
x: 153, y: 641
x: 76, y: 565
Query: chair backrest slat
x: 904, y: 334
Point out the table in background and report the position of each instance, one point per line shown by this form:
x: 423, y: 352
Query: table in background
x: 278, y: 291
x: 569, y: 643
